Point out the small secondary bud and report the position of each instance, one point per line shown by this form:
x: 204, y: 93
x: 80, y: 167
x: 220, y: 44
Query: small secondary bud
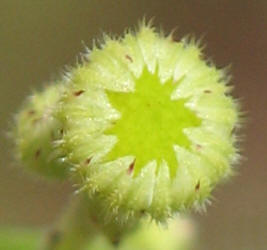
x: 36, y: 132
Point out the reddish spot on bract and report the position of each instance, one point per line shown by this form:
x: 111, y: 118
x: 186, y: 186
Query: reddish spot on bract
x: 37, y: 153
x: 31, y: 112
x: 207, y: 91
x: 129, y: 58
x: 78, y: 93
x: 197, y: 187
x: 88, y: 160
x: 131, y: 168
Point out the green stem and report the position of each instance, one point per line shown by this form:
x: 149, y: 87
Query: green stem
x: 81, y: 223
x: 74, y: 229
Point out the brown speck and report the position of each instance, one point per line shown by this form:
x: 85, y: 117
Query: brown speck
x: 129, y: 58
x: 61, y: 131
x: 31, y: 112
x: 37, y: 153
x: 131, y: 168
x: 197, y: 187
x: 198, y: 146
x: 207, y: 91
x: 88, y: 160
x: 142, y: 212
x: 78, y: 93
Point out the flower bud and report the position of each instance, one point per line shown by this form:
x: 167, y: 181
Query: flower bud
x: 36, y: 132
x: 149, y: 125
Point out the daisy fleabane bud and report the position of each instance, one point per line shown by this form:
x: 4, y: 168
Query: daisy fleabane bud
x: 36, y: 130
x: 148, y: 125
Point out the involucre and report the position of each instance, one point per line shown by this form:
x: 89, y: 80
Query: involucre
x: 148, y: 125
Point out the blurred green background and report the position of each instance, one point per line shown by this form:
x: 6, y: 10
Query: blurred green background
x: 39, y: 37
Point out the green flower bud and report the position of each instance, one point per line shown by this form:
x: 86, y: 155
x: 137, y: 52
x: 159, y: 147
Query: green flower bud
x: 36, y: 132
x: 148, y: 125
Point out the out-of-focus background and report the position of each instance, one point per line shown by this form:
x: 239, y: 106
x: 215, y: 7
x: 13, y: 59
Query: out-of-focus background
x: 38, y: 38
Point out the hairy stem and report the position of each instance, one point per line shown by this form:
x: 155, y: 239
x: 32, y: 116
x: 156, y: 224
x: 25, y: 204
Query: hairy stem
x: 74, y: 229
x: 81, y: 223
